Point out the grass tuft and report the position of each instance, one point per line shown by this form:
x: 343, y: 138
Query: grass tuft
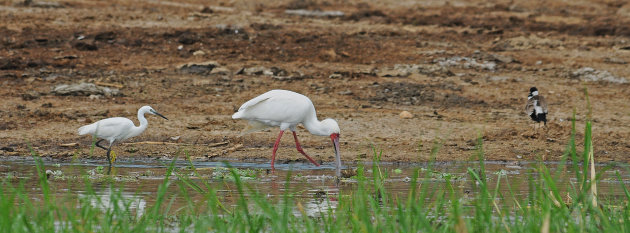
x: 428, y: 206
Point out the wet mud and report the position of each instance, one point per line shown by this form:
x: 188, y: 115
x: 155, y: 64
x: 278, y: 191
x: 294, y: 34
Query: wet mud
x: 461, y: 69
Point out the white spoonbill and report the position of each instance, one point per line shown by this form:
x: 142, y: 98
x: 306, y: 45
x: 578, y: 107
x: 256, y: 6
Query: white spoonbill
x: 287, y: 109
x: 116, y: 129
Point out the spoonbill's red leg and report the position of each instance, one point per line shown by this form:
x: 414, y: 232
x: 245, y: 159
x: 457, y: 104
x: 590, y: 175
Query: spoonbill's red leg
x: 275, y: 148
x: 299, y: 148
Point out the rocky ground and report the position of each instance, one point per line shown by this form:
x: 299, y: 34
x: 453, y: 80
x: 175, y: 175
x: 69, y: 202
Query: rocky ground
x: 459, y: 69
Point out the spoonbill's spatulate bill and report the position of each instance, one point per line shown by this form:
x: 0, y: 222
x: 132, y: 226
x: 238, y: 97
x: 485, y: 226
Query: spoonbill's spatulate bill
x: 116, y: 129
x: 287, y: 109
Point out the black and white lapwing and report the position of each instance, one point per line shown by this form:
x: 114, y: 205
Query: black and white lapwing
x: 536, y: 106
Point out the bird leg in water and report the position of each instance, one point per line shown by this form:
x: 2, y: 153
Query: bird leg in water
x: 99, y: 145
x: 299, y: 148
x: 275, y: 148
x: 109, y: 168
x: 113, y: 155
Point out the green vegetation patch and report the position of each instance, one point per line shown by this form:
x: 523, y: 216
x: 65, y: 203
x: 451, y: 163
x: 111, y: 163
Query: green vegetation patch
x: 428, y: 206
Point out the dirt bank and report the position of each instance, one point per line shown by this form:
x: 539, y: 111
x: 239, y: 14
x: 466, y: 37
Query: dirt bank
x: 462, y: 69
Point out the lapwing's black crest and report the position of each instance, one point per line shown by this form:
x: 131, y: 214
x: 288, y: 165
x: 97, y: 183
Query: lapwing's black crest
x: 536, y: 106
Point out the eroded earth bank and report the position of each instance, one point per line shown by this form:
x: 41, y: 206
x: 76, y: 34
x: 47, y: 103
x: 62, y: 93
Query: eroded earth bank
x: 460, y: 68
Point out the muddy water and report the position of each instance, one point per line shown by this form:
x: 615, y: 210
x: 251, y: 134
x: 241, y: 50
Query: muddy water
x: 139, y: 179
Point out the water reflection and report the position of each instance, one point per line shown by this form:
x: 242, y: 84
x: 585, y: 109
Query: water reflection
x: 313, y: 187
x: 318, y: 207
x: 133, y: 202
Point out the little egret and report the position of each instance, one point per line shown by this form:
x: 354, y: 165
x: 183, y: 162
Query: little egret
x: 287, y: 109
x: 116, y: 129
x: 536, y: 106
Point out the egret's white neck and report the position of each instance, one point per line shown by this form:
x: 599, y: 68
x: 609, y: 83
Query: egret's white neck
x: 143, y: 125
x: 315, y: 126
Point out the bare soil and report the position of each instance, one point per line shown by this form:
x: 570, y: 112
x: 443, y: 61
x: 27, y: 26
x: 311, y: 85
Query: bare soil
x: 474, y: 64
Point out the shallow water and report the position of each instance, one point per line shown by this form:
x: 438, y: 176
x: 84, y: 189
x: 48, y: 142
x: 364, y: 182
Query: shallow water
x: 313, y: 186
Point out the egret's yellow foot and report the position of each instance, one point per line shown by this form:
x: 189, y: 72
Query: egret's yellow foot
x: 112, y: 155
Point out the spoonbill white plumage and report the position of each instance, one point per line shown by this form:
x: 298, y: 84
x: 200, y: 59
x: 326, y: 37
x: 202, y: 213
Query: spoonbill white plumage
x: 116, y: 129
x: 287, y: 109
